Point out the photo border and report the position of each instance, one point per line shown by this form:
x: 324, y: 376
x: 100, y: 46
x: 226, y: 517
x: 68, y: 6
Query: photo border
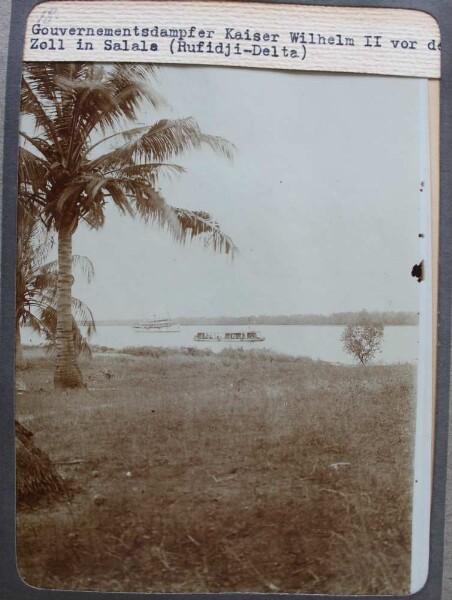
x: 11, y: 585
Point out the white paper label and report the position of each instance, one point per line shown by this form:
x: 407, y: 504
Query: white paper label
x: 304, y: 38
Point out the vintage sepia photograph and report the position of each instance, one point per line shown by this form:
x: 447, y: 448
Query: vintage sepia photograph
x: 221, y: 275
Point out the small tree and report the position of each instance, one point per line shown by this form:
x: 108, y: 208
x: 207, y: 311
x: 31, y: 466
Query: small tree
x: 363, y: 339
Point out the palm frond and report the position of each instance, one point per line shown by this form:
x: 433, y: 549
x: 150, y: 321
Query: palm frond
x: 49, y: 321
x: 35, y: 323
x: 131, y: 195
x: 40, y: 111
x: 198, y: 223
x: 41, y: 145
x: 83, y: 316
x: 106, y: 99
x: 148, y: 171
x: 81, y: 343
x: 36, y: 281
x: 48, y: 329
x: 33, y: 171
x: 160, y: 142
x: 44, y: 282
x: 85, y: 266
x: 79, y: 263
x: 130, y: 86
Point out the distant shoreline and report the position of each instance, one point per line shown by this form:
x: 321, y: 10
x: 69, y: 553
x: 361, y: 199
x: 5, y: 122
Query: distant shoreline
x: 339, y: 319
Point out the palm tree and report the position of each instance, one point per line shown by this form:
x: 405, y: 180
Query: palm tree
x: 86, y: 151
x: 36, y: 288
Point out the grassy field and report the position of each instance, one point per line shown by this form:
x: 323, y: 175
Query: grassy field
x: 239, y: 471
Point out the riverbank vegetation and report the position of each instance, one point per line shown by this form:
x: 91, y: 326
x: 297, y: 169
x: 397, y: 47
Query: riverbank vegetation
x: 192, y: 471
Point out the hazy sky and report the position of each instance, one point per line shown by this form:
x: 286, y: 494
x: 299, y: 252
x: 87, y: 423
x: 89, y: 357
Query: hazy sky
x: 322, y: 200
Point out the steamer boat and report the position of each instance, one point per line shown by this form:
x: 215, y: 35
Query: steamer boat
x: 158, y: 325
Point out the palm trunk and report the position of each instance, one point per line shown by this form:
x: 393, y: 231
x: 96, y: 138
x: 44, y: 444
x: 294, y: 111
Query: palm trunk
x: 67, y: 372
x: 21, y: 363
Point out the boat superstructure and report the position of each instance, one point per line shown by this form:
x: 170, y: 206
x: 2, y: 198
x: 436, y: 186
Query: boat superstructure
x: 229, y: 336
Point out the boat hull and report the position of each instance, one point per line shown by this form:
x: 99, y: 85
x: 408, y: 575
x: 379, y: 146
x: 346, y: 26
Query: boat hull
x: 151, y: 329
x: 144, y: 330
x: 260, y: 339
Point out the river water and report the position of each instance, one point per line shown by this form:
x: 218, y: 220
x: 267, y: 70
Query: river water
x: 400, y: 343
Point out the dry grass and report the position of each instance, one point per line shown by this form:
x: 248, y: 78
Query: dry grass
x: 243, y: 471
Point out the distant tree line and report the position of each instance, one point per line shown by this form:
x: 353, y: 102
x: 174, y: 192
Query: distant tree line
x: 340, y: 318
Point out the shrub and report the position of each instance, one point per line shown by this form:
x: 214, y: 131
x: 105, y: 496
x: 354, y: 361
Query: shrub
x: 363, y: 339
